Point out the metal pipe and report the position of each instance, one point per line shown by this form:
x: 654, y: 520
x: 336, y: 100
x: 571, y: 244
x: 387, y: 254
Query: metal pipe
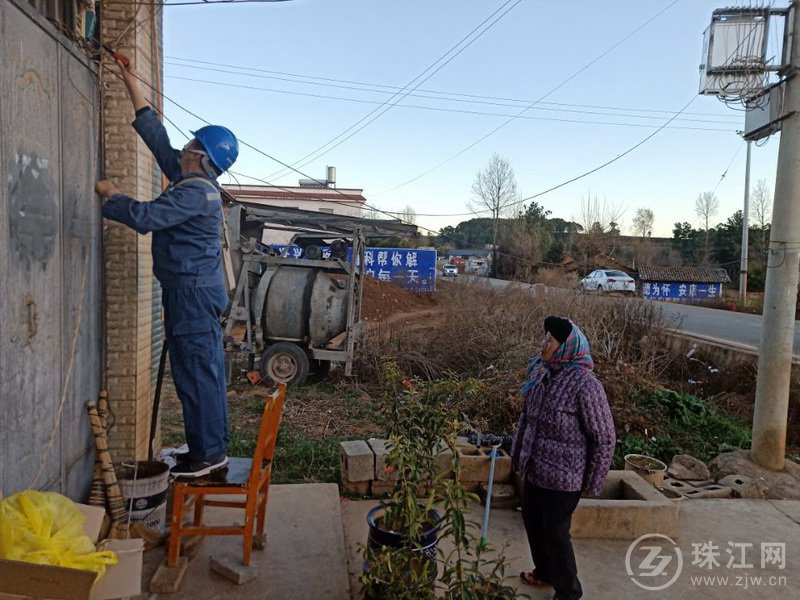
x: 485, y: 526
x: 745, y: 230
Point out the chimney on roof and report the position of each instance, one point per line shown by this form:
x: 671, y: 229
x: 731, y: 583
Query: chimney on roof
x: 331, y: 177
x: 330, y: 181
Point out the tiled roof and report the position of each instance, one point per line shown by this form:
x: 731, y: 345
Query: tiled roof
x: 684, y: 274
x: 244, y: 193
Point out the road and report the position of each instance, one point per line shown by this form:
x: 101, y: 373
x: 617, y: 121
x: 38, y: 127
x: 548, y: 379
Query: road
x: 740, y: 328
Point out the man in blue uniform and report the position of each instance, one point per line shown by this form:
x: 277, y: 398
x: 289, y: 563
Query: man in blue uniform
x: 186, y: 222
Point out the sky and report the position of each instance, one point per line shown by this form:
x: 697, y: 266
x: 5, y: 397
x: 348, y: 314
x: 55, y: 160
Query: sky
x: 289, y: 77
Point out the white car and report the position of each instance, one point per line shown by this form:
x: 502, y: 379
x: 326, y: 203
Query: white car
x: 608, y: 280
x: 450, y: 271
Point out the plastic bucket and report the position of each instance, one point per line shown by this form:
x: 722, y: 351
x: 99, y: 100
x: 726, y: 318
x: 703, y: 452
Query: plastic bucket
x: 144, y: 486
x: 649, y: 468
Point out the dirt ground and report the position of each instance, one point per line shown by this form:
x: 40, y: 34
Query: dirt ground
x: 382, y: 299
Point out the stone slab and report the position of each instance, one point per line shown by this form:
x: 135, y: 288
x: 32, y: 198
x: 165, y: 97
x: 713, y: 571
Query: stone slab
x: 711, y: 491
x: 167, y: 580
x: 357, y: 461
x: 230, y: 566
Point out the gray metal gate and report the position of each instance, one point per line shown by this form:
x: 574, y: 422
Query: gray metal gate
x: 50, y: 256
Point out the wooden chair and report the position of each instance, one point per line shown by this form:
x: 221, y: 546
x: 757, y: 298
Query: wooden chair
x: 243, y: 476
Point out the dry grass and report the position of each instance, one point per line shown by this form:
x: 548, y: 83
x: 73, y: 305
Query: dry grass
x: 482, y: 329
x: 478, y: 347
x: 557, y: 278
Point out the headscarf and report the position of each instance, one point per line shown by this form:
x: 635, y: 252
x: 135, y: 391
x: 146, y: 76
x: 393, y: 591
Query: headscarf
x: 572, y: 354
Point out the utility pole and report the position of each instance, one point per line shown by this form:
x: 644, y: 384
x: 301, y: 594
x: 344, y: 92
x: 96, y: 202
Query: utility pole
x: 745, y: 230
x: 780, y: 298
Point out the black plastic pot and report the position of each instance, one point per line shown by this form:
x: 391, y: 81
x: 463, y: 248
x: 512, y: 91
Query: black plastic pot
x: 380, y: 537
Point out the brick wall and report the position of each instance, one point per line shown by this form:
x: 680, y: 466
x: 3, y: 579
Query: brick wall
x: 127, y: 261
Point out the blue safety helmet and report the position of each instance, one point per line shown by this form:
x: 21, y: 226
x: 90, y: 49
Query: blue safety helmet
x: 221, y: 145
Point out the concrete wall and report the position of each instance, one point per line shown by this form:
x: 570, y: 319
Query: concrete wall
x: 720, y: 353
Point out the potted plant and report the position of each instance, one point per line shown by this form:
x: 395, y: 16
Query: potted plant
x: 402, y: 557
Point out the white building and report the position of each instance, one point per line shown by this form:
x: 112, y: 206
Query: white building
x: 311, y: 194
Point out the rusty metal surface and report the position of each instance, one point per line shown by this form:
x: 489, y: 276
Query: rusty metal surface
x: 48, y: 228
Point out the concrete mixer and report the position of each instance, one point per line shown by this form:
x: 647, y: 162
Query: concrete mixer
x: 298, y: 313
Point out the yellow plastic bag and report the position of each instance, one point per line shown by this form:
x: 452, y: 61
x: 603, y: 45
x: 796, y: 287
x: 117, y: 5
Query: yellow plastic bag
x: 46, y: 528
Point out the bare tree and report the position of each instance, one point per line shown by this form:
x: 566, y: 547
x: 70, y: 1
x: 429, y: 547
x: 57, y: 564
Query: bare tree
x: 600, y: 215
x: 372, y: 212
x: 643, y: 222
x: 761, y: 212
x: 495, y: 189
x: 408, y: 215
x: 761, y: 204
x: 706, y: 206
x: 601, y: 222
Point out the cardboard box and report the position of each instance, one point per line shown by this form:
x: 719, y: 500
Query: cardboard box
x: 124, y: 579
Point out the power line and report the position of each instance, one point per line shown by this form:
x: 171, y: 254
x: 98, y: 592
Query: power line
x: 462, y: 111
x: 551, y: 91
x: 436, y: 95
x: 609, y: 162
x: 386, y: 106
x: 348, y: 203
x: 725, y: 172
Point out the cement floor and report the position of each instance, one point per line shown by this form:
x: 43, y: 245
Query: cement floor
x: 304, y: 558
x: 602, y: 563
x: 313, y: 536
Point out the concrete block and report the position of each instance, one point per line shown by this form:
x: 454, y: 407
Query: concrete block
x: 627, y: 508
x: 230, y: 567
x: 167, y: 580
x: 444, y: 460
x: 357, y: 461
x: 675, y: 485
x: 699, y: 483
x: 380, y: 488
x: 356, y: 488
x: 475, y: 464
x: 381, y: 451
x: 745, y: 487
x: 711, y: 491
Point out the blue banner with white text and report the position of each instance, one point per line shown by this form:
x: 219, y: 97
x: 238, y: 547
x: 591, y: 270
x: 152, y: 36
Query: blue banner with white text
x: 409, y: 268
x: 681, y: 292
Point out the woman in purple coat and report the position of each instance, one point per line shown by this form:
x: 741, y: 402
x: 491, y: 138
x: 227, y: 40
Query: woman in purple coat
x: 563, y: 446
